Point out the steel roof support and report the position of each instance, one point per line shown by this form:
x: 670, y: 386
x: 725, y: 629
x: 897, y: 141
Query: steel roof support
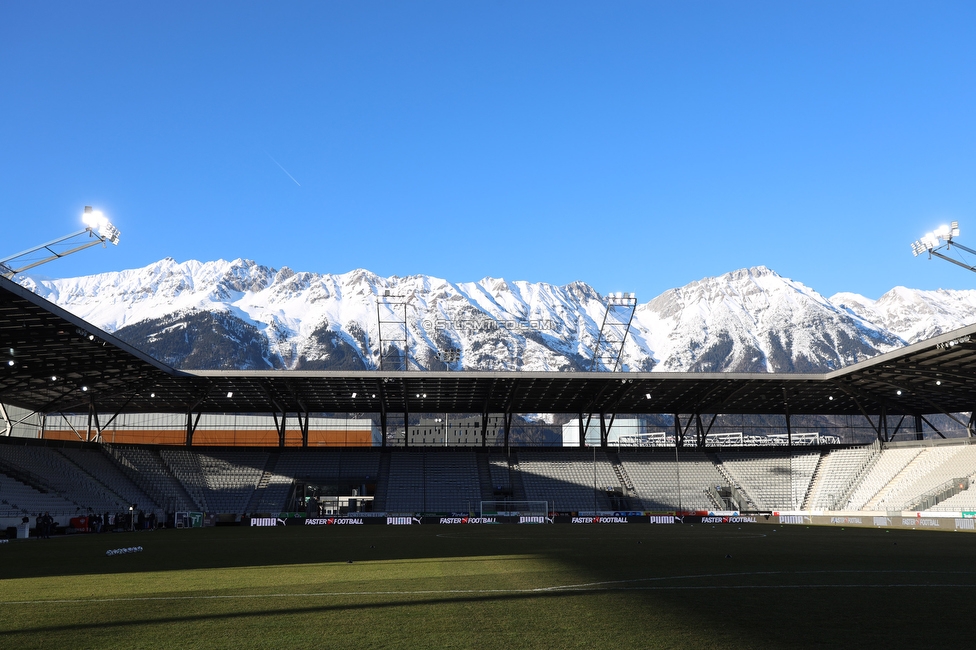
x: 10, y: 424
x: 508, y: 430
x: 191, y: 426
x: 93, y: 417
x: 484, y: 415
x: 303, y: 425
x: 708, y: 429
x: 901, y: 421
x: 392, y: 329
x: 789, y: 428
x: 934, y: 428
x: 8, y: 427
x: 280, y: 427
x: 71, y: 426
x: 610, y: 331
x: 484, y: 426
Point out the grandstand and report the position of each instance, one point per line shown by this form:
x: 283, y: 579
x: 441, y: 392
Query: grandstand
x: 70, y: 479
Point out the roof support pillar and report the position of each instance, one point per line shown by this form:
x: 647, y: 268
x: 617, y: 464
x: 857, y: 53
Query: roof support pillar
x: 582, y: 432
x: 303, y: 423
x: 93, y: 419
x: 484, y: 428
x: 406, y: 425
x: 934, y: 428
x: 789, y: 429
x: 699, y: 431
x: 508, y: 430
x: 8, y: 426
x: 191, y: 426
x: 280, y: 426
x: 603, y: 429
x: 894, y: 433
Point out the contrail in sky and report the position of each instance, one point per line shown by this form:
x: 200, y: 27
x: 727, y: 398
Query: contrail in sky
x: 284, y: 170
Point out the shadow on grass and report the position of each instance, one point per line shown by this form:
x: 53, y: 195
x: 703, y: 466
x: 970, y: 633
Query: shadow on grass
x: 795, y: 617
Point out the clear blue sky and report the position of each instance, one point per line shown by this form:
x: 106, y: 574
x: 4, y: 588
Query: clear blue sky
x: 636, y: 146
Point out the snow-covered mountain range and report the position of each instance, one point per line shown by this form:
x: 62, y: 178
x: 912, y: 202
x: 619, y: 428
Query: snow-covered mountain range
x: 208, y: 315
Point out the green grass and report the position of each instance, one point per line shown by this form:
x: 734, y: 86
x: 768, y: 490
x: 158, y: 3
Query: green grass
x: 639, y: 586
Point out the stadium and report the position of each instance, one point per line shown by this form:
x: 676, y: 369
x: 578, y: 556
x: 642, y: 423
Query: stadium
x: 369, y: 369
x: 103, y: 439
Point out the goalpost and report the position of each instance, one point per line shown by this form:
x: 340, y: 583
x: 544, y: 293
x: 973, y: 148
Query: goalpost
x: 514, y: 508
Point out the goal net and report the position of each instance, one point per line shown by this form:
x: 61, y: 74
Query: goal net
x: 514, y: 508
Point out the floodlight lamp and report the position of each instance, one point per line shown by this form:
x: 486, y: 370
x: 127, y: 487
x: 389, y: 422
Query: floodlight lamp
x: 10, y: 363
x: 230, y: 394
x: 98, y: 222
x: 84, y: 389
x: 354, y: 395
x: 930, y: 240
x: 647, y: 395
x: 898, y: 392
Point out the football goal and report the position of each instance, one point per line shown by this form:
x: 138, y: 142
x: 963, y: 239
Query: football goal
x: 514, y: 508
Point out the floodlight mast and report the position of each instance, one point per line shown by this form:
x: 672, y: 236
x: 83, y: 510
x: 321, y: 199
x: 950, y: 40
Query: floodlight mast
x: 942, y: 237
x: 98, y: 231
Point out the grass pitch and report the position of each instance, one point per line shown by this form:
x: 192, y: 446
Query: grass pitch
x: 552, y: 586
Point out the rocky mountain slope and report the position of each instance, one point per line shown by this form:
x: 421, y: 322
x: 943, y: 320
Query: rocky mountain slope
x: 239, y: 314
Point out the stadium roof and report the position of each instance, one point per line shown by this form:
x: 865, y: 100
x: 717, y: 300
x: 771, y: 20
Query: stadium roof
x: 60, y: 363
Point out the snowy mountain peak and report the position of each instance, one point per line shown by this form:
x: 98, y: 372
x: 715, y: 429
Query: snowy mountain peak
x: 240, y: 314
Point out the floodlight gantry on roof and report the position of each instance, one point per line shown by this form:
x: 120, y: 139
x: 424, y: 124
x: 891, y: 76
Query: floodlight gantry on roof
x: 942, y: 237
x: 98, y: 230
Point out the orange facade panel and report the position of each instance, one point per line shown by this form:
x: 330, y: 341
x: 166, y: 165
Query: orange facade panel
x: 226, y: 437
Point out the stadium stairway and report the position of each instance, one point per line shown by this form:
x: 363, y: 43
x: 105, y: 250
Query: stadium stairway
x: 515, y: 475
x: 145, y: 468
x: 872, y: 503
x: 484, y: 476
x: 873, y: 482
x: 751, y: 502
x: 97, y: 467
x: 631, y: 498
x: 859, y: 476
x: 382, y: 482
x: 814, y: 488
x: 262, y: 486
